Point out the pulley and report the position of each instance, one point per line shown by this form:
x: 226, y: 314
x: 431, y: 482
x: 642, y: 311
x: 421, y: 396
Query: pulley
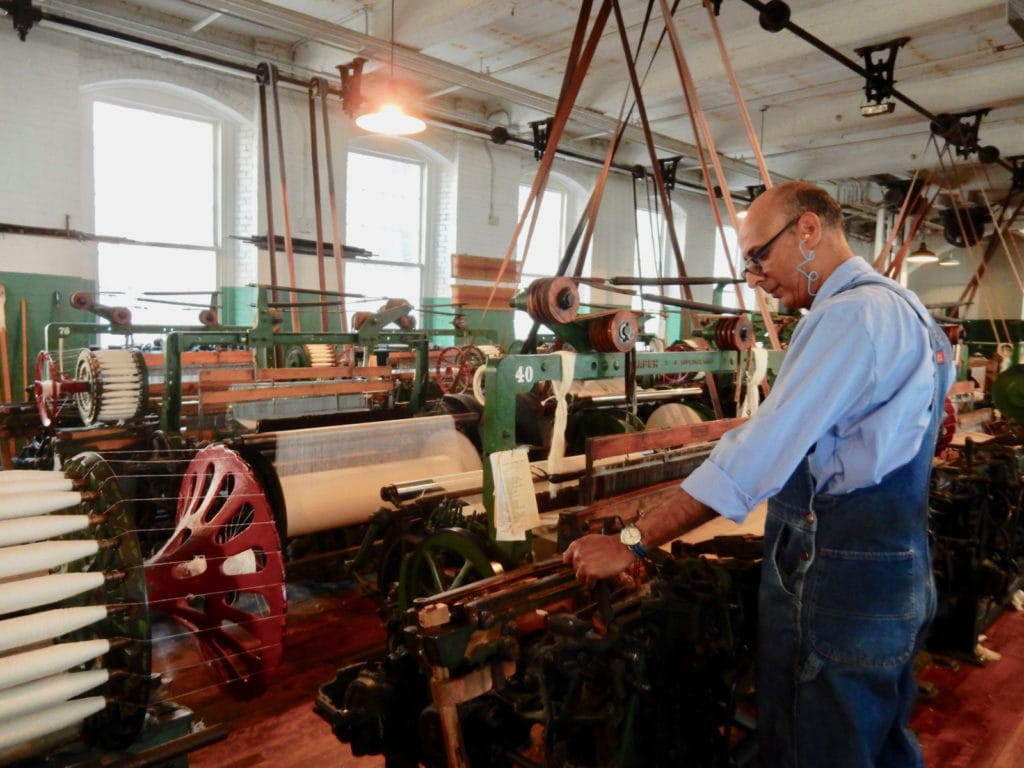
x: 552, y: 300
x: 734, y: 333
x: 616, y: 332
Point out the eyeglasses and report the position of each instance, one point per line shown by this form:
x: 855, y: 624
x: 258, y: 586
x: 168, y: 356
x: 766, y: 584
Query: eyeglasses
x: 752, y: 263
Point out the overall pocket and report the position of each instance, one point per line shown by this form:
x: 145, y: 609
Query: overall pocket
x: 865, y: 607
x: 791, y: 554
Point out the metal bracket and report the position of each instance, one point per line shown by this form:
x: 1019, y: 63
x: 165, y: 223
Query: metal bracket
x: 23, y: 16
x: 351, y: 85
x: 668, y: 167
x: 1017, y: 169
x: 754, y: 191
x: 878, y: 84
x: 960, y: 129
x: 541, y: 130
x: 266, y: 74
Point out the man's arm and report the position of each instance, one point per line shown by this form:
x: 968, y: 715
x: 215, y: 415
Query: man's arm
x: 598, y: 556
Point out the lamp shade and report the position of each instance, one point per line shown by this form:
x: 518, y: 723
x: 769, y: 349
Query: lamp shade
x: 390, y: 120
x: 922, y: 255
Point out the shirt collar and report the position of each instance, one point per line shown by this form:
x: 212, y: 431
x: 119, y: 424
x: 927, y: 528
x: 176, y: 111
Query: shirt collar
x: 847, y: 272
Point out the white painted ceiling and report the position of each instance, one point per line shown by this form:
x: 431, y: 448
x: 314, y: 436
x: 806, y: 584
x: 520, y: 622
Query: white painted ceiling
x: 501, y: 63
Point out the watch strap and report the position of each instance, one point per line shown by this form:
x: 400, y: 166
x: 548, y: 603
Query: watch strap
x: 639, y: 550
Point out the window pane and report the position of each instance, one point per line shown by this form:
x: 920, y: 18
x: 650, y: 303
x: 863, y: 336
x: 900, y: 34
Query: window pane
x: 548, y: 242
x: 729, y: 297
x: 127, y: 272
x: 383, y: 214
x: 154, y: 175
x: 382, y: 207
x: 379, y: 282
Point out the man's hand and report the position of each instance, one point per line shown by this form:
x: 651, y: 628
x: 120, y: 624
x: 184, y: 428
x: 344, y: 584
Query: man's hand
x: 672, y: 513
x: 597, y: 556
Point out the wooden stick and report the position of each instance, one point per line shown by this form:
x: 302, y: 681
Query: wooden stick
x: 3, y: 345
x: 24, y: 346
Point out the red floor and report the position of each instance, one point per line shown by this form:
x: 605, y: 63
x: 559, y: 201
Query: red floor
x: 976, y: 719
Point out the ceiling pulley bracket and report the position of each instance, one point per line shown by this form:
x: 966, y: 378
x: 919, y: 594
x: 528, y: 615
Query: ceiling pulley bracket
x: 668, y: 166
x: 541, y: 131
x: 23, y: 16
x: 1017, y: 171
x: 880, y: 71
x: 351, y: 85
x: 961, y: 130
x: 754, y: 191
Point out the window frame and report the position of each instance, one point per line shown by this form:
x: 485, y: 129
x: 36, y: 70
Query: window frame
x: 162, y: 98
x: 421, y: 263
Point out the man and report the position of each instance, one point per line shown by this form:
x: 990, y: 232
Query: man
x: 842, y: 448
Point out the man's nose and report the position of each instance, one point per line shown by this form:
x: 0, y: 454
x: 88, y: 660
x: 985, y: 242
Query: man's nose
x: 753, y: 279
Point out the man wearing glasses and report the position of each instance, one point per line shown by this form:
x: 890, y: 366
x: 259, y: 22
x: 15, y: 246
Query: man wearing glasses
x: 842, y: 449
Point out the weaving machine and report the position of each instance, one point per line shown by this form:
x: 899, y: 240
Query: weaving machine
x: 75, y: 620
x: 213, y: 556
x: 83, y: 578
x: 514, y: 662
x: 205, y: 382
x: 977, y: 529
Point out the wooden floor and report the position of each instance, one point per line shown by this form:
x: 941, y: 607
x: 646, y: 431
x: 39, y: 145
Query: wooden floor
x: 975, y: 720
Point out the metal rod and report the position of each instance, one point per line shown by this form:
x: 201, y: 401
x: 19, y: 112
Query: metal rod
x: 697, y: 305
x: 626, y: 280
x: 314, y: 152
x: 840, y: 57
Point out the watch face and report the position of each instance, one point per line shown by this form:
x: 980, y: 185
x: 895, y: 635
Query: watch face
x: 630, y: 535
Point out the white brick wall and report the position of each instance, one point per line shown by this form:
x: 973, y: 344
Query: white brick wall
x: 45, y: 92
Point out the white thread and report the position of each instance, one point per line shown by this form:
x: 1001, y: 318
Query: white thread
x: 560, y: 388
x: 753, y: 397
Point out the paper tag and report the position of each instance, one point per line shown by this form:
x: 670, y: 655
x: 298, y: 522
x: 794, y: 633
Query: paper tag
x: 515, y: 502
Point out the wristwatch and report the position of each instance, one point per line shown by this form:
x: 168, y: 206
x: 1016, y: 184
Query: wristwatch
x: 631, y: 536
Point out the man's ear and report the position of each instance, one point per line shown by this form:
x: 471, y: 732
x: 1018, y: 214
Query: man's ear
x: 809, y: 229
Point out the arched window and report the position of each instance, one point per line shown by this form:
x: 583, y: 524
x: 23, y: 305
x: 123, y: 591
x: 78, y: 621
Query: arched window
x: 163, y: 165
x: 384, y: 214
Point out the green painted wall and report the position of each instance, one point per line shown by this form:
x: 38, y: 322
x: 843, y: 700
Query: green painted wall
x: 494, y: 327
x: 46, y: 302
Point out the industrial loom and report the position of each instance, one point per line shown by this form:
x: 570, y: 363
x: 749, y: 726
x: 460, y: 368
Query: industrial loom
x: 95, y: 537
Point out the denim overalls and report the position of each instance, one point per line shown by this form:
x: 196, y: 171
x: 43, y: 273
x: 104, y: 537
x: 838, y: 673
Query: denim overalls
x: 847, y: 594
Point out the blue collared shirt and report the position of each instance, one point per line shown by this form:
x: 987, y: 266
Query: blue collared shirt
x: 852, y: 394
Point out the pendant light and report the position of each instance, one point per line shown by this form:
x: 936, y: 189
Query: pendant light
x: 922, y: 255
x: 389, y: 118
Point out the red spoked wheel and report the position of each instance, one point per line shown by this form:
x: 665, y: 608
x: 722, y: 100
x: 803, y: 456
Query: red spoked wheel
x: 54, y: 390
x: 446, y: 371
x: 456, y: 366
x: 677, y: 379
x: 221, y: 574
